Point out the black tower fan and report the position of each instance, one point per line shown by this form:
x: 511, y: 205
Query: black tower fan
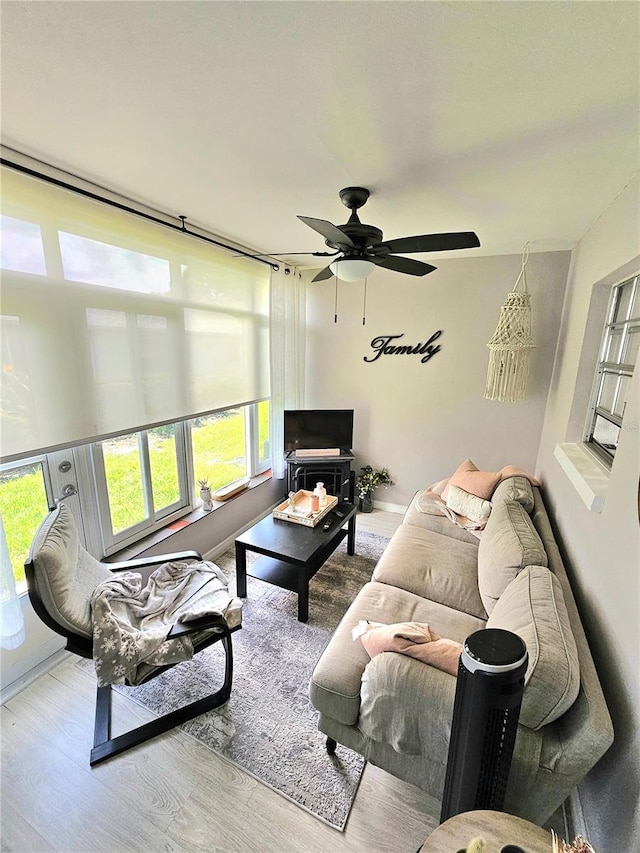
x: 486, y: 710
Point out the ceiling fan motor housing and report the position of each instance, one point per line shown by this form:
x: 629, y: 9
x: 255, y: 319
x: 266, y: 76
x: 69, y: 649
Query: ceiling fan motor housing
x: 363, y: 236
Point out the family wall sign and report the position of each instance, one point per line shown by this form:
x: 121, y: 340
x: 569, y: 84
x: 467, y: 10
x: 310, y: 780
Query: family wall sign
x: 387, y: 345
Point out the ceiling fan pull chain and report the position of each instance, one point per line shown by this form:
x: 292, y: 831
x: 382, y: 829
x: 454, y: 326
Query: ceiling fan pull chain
x: 364, y: 304
x: 335, y: 304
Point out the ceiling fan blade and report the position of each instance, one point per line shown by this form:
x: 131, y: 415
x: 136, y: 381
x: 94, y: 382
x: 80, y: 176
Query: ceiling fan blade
x: 328, y: 230
x: 405, y: 265
x: 286, y: 254
x: 431, y: 243
x: 323, y: 274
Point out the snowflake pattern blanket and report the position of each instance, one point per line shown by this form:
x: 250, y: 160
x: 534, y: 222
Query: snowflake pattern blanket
x: 131, y: 621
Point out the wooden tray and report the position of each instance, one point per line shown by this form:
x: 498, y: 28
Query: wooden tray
x: 303, y: 513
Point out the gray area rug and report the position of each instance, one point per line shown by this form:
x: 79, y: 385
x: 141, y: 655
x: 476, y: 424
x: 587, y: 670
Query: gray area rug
x: 269, y: 727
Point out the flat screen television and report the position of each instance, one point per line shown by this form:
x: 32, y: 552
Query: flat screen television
x: 315, y: 429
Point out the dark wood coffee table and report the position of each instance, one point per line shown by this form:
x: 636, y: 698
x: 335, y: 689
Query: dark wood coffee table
x: 292, y: 553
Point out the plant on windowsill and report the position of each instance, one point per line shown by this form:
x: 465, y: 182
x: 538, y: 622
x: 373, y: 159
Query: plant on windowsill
x: 205, y: 494
x: 367, y: 482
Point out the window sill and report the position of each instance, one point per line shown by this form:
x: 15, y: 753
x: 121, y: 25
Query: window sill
x: 589, y: 477
x: 139, y: 547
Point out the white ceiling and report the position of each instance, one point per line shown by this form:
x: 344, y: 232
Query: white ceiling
x: 518, y: 120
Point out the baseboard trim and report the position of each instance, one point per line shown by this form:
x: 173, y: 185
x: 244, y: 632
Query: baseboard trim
x: 29, y: 677
x: 387, y: 507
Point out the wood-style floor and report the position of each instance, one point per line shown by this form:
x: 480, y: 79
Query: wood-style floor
x: 172, y: 793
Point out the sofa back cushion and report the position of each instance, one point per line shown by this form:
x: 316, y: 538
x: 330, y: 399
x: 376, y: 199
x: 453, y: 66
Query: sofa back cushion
x: 533, y: 607
x: 515, y: 489
x: 509, y: 543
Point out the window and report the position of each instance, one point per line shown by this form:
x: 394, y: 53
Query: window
x: 137, y: 483
x: 219, y: 448
x: 145, y: 480
x: 141, y: 483
x: 615, y: 368
x: 264, y: 452
x: 25, y: 497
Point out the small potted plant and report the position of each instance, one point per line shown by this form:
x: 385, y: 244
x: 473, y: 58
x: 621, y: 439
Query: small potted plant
x: 205, y: 494
x: 367, y: 482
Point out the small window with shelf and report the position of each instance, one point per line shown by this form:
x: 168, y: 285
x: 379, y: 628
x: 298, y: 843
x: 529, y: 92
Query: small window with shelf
x: 615, y: 368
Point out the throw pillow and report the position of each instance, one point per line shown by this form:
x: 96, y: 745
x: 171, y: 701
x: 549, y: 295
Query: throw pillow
x: 479, y: 483
x: 467, y: 504
x: 533, y: 607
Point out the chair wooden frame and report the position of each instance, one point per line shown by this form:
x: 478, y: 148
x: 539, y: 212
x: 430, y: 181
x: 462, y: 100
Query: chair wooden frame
x: 105, y: 746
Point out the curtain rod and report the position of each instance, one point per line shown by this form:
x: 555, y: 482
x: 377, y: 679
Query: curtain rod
x: 88, y: 194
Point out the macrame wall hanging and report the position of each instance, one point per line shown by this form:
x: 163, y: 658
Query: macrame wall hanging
x: 511, y: 346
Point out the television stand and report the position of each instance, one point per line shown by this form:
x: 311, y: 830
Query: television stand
x: 335, y: 472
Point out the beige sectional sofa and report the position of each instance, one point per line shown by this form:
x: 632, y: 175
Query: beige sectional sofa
x: 396, y: 711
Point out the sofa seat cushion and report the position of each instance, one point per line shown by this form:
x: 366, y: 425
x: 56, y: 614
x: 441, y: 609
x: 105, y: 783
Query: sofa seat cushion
x: 533, y: 607
x: 433, y: 566
x: 336, y: 681
x: 509, y: 543
x: 437, y: 523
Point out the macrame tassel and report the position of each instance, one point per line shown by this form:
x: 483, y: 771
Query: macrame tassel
x: 511, y: 346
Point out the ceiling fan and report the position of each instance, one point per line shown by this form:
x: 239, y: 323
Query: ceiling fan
x: 359, y: 248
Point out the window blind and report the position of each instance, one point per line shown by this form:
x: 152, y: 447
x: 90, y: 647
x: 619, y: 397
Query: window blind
x: 110, y: 323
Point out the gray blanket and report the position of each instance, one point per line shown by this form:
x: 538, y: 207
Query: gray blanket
x: 131, y: 621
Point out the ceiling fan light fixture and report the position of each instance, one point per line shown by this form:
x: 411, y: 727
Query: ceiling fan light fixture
x: 351, y: 269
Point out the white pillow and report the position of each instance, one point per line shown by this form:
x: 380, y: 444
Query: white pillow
x: 464, y: 503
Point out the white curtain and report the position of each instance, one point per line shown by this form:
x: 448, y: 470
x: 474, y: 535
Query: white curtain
x: 12, y: 621
x: 111, y: 323
x: 287, y: 341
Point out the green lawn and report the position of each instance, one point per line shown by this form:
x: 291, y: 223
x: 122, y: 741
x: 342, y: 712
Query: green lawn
x: 23, y: 505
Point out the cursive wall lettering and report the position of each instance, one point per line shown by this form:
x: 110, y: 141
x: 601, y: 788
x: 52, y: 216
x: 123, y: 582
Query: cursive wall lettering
x: 383, y: 346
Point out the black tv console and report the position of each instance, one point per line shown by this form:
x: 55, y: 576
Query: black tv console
x: 334, y: 471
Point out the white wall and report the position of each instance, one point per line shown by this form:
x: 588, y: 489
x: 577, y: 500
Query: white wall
x: 602, y: 551
x: 421, y: 420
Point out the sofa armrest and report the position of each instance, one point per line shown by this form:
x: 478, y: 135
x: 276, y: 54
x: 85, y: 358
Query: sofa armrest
x: 407, y: 704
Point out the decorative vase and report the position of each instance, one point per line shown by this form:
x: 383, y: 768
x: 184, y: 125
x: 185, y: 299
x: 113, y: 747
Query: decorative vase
x: 365, y: 504
x: 205, y: 497
x: 321, y: 492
